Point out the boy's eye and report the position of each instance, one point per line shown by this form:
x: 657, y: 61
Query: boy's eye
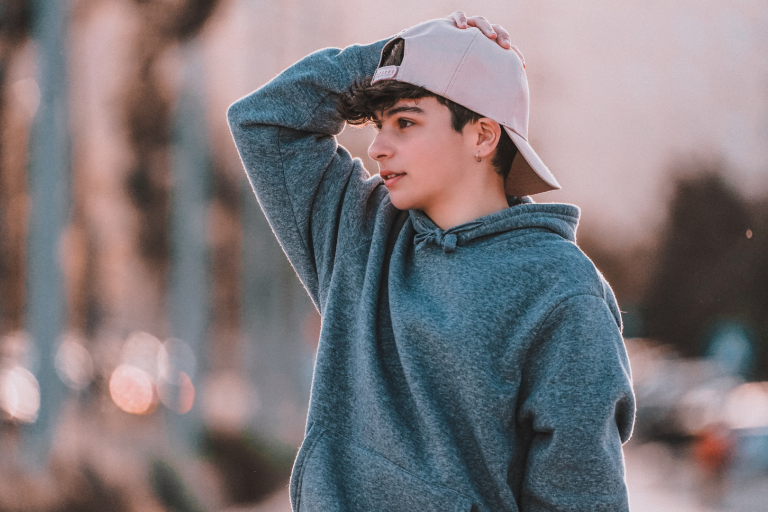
x: 404, y: 123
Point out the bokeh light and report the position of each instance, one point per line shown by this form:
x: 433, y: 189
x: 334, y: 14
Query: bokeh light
x: 179, y: 397
x: 74, y: 364
x: 176, y: 364
x: 19, y: 393
x: 175, y: 356
x: 133, y: 390
x: 141, y: 350
x: 747, y: 406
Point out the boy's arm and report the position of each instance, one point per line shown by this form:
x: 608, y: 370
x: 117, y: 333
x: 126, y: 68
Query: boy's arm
x: 579, y: 408
x: 305, y: 182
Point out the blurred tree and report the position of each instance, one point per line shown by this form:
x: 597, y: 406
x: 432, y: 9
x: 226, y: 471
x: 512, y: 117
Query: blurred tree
x: 627, y: 269
x: 189, y: 288
x: 710, y: 254
x: 226, y: 262
x: 15, y: 16
x: 170, y: 189
x: 91, y: 493
x: 48, y: 184
x: 757, y: 308
x: 147, y: 113
x: 171, y: 489
x: 252, y: 467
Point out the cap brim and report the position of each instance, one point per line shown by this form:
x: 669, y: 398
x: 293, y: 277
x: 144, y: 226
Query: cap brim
x: 528, y: 175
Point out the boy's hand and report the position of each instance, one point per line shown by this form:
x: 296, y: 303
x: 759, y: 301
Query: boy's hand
x: 496, y: 32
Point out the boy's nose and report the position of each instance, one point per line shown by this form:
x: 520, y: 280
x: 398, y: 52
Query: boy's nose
x: 379, y: 148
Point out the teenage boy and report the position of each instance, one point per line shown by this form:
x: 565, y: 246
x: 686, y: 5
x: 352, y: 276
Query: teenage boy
x: 470, y: 356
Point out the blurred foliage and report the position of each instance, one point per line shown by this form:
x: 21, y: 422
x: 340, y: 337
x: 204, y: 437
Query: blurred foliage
x: 711, y: 266
x: 15, y: 16
x: 226, y: 245
x: 171, y: 490
x: 15, y: 21
x: 90, y: 493
x: 626, y: 268
x: 252, y: 468
x: 178, y: 19
x: 147, y: 116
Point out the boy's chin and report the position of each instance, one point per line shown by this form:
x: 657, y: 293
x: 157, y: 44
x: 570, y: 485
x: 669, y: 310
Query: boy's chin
x: 402, y: 202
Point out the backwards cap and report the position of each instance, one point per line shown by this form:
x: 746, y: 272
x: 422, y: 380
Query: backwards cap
x: 468, y: 68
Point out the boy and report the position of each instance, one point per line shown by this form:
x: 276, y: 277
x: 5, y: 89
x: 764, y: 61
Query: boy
x: 470, y: 356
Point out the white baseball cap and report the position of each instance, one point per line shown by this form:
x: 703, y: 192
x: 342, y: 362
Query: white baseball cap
x: 468, y: 68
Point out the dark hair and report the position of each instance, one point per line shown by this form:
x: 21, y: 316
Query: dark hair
x: 360, y: 103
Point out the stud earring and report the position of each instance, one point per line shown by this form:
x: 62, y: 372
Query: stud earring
x: 478, y: 157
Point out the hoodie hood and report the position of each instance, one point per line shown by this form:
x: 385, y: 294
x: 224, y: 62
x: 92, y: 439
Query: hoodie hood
x: 562, y: 219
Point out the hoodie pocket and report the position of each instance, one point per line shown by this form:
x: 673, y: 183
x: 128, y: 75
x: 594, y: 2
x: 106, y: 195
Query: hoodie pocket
x: 334, y: 474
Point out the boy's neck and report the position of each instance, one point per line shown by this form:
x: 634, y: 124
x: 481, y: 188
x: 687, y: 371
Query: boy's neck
x: 467, y: 205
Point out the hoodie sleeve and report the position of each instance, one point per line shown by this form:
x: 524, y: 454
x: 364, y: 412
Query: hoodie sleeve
x: 304, y: 181
x: 578, y: 408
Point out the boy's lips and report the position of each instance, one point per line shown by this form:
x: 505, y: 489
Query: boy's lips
x: 390, y: 177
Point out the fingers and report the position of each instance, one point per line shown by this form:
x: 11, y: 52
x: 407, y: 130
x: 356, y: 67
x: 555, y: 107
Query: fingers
x: 459, y: 18
x: 519, y: 54
x: 502, y: 37
x: 483, y: 24
x: 491, y: 31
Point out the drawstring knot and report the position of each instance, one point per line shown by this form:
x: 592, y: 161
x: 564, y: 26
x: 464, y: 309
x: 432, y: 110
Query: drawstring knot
x: 437, y: 237
x: 445, y: 239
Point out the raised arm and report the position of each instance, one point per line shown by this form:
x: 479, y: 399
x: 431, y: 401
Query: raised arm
x: 305, y: 182
x: 578, y: 407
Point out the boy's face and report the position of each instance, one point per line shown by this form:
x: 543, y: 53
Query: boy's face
x: 423, y: 160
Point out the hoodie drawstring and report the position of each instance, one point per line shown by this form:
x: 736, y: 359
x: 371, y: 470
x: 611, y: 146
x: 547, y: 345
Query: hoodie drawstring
x: 446, y: 239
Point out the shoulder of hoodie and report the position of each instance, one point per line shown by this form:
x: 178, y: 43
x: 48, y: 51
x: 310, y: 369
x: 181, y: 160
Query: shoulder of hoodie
x: 559, y: 258
x: 547, y: 261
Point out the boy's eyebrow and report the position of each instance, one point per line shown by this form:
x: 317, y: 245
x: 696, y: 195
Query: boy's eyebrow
x: 405, y: 108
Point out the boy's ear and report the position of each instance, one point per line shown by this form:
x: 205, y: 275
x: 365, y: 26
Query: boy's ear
x: 488, y: 135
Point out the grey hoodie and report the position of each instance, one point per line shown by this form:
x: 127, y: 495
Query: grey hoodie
x: 476, y: 368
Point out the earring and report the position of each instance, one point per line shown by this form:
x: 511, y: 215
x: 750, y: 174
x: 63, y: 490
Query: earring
x: 478, y: 157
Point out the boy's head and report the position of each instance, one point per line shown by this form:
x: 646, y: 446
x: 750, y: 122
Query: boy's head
x: 436, y: 71
x: 432, y: 140
x: 365, y: 102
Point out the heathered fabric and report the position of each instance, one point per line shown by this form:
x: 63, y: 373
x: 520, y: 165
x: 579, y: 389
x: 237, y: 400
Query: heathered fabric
x: 477, y: 368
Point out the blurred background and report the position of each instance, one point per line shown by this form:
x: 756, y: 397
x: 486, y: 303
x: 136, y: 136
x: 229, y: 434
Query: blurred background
x: 156, y: 348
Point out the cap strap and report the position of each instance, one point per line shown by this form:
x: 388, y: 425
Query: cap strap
x: 385, y: 73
